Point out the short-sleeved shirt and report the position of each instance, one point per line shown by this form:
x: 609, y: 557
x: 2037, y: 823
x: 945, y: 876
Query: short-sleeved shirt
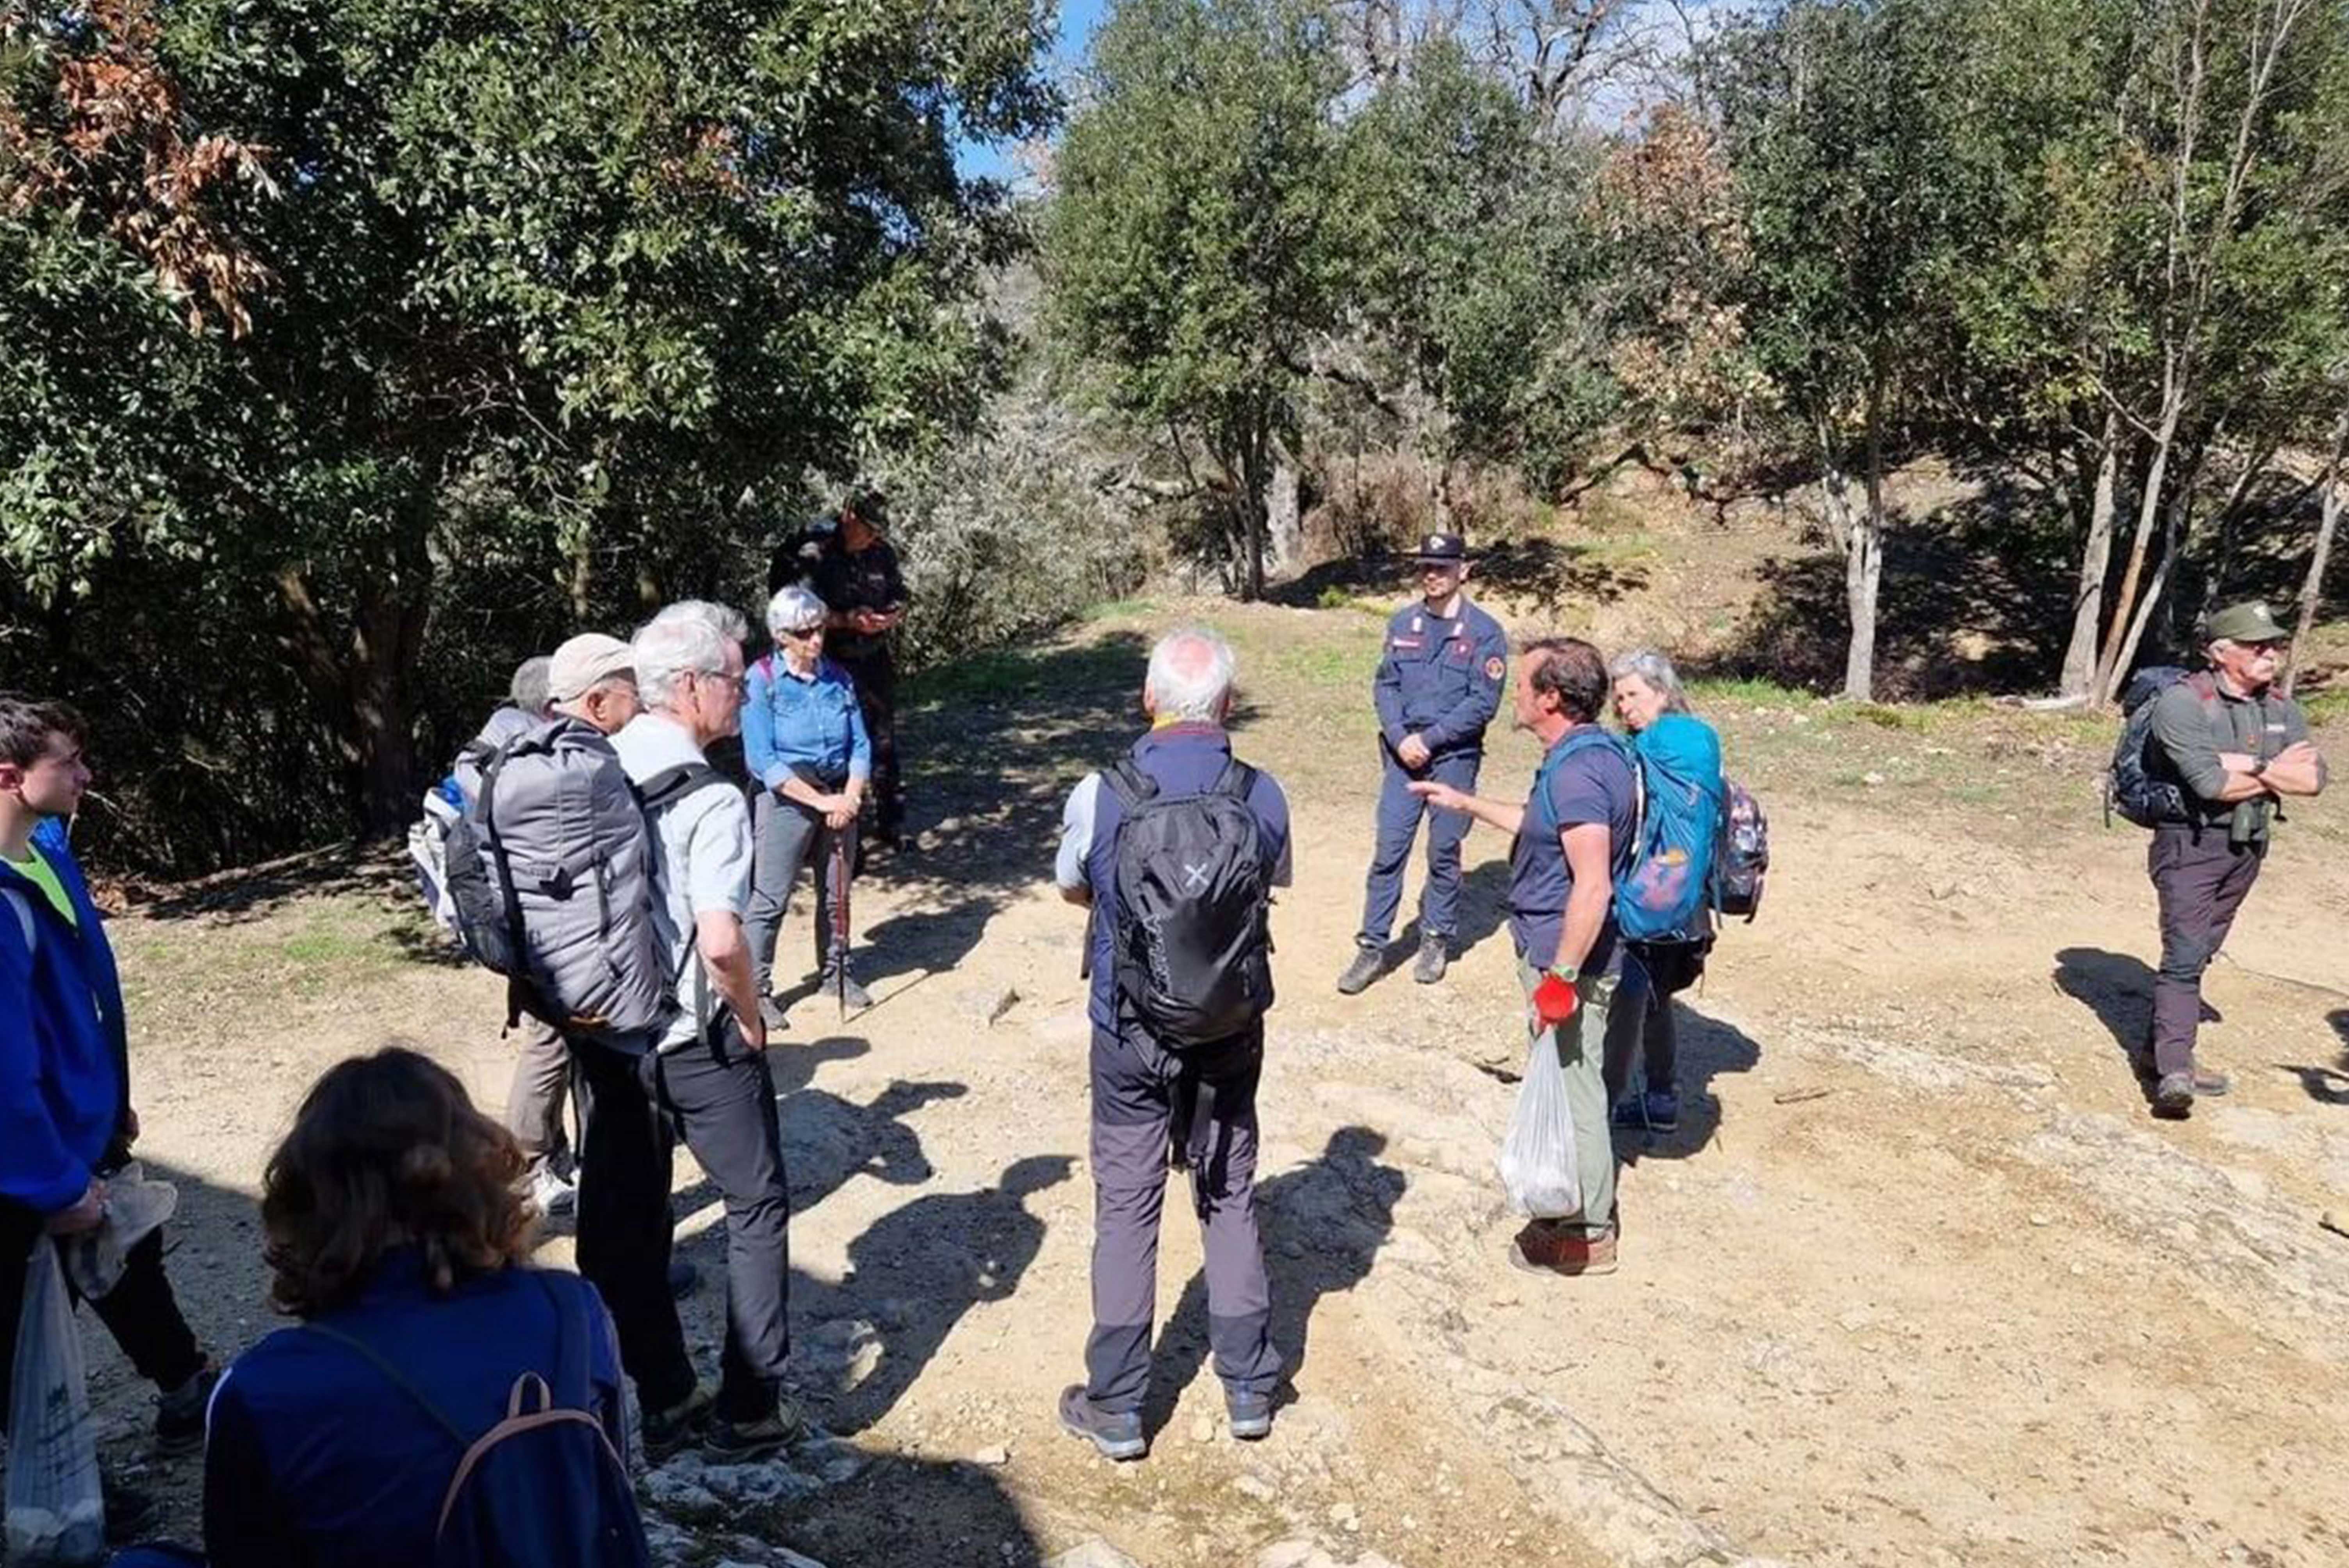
x: 1181, y: 759
x: 2193, y: 732
x: 812, y: 721
x: 702, y: 859
x: 1591, y: 784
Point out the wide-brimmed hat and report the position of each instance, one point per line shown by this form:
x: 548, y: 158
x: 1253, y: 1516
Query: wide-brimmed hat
x: 1442, y: 550
x: 579, y: 663
x: 2248, y: 621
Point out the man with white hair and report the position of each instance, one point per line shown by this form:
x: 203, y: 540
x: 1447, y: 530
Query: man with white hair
x: 706, y: 1072
x: 1175, y: 850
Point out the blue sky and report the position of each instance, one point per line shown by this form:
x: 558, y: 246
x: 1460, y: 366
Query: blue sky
x: 1078, y: 19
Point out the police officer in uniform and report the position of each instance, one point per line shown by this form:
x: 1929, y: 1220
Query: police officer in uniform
x: 1438, y: 686
x: 853, y: 569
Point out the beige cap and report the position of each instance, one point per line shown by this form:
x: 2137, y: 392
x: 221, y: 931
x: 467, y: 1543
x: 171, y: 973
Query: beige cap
x: 589, y: 658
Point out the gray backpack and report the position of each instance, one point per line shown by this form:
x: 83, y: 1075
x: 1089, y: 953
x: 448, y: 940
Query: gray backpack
x: 550, y: 872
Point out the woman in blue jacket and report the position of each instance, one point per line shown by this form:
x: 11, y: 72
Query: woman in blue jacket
x: 394, y: 1231
x: 803, y: 736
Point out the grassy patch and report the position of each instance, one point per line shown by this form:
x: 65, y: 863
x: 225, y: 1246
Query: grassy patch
x: 1121, y: 608
x: 2326, y: 707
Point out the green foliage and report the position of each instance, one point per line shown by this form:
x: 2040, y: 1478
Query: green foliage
x: 541, y: 313
x: 1187, y: 246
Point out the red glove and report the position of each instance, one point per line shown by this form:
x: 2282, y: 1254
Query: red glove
x: 1555, y: 1001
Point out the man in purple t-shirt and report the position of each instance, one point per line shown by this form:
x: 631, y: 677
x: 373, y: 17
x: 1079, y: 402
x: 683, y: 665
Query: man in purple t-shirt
x: 1571, y: 840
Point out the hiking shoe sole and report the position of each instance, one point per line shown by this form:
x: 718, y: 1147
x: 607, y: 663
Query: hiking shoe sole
x: 1119, y: 1448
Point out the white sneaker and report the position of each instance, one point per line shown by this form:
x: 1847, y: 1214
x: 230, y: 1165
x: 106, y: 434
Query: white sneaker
x: 553, y: 1194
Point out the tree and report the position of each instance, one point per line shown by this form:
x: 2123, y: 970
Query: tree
x: 1187, y: 247
x: 534, y: 287
x: 1832, y: 114
x: 1457, y: 226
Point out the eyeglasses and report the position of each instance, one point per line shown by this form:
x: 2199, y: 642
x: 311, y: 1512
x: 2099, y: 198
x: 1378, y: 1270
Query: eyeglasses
x: 738, y: 683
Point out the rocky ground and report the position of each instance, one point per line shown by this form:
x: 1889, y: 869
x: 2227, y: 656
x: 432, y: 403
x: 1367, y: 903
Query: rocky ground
x: 1916, y: 1282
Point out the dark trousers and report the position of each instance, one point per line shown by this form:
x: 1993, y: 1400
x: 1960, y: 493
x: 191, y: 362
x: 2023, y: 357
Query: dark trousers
x: 1138, y: 1093
x: 2200, y: 881
x: 535, y: 1101
x: 140, y: 1311
x: 719, y: 1098
x: 1399, y: 814
x: 1671, y: 968
x: 788, y: 833
x: 876, y: 697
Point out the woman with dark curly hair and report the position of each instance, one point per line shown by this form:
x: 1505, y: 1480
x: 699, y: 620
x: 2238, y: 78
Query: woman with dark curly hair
x: 395, y: 1232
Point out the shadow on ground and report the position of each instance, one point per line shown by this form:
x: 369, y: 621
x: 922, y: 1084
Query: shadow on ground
x: 919, y: 1269
x: 1543, y: 574
x: 1323, y: 1225
x: 1708, y: 1047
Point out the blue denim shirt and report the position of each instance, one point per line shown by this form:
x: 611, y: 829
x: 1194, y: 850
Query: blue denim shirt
x: 813, y: 723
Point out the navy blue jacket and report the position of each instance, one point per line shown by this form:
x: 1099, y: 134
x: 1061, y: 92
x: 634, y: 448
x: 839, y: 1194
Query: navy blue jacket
x: 1441, y: 680
x: 312, y: 1458
x: 64, y: 1068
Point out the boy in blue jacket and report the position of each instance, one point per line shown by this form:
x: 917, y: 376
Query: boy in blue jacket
x: 65, y: 1120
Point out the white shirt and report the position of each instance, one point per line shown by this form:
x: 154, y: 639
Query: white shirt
x: 702, y: 859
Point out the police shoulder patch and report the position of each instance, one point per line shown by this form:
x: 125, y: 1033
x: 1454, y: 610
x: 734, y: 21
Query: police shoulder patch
x: 1493, y: 669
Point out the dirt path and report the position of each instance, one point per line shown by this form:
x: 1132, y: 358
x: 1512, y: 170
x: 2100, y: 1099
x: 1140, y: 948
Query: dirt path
x: 1966, y: 1305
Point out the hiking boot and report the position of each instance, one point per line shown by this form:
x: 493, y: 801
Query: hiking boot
x: 551, y: 1194
x: 1368, y: 962
x: 1658, y: 1110
x: 2173, y: 1097
x: 1116, y: 1433
x: 771, y: 1014
x: 668, y: 1431
x: 1251, y: 1415
x: 179, y: 1412
x: 1547, y: 1246
x: 746, y: 1442
x: 1434, y: 957
x: 855, y: 998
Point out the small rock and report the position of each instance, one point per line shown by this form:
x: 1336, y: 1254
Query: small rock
x: 1203, y: 1430
x: 2038, y: 1218
x: 1872, y: 779
x: 1343, y: 1516
x: 1093, y: 1552
x: 2335, y: 1220
x: 1293, y: 1555
x: 1248, y: 1483
x: 993, y: 1454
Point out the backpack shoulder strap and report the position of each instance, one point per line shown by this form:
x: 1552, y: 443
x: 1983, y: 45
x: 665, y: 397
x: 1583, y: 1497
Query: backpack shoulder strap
x: 392, y: 1375
x: 1128, y: 783
x: 15, y: 898
x: 517, y: 936
x: 671, y: 785
x: 1236, y: 781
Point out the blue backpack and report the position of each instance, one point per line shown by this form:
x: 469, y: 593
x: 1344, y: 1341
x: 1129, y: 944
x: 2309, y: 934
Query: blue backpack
x: 542, y: 1488
x: 1676, y: 765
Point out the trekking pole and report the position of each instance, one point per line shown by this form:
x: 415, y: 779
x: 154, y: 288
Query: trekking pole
x: 840, y: 922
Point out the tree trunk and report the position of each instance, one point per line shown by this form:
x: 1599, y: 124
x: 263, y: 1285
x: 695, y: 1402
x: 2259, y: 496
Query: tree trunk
x: 2096, y: 560
x: 1256, y: 481
x: 1284, y: 516
x: 1863, y: 562
x: 2149, y: 512
x: 2312, y: 591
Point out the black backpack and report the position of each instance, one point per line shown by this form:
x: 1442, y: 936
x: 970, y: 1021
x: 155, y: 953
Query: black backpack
x: 2140, y: 785
x: 1193, y: 941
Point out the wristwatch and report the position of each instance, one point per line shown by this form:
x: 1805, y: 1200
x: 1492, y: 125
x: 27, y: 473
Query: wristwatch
x: 1566, y: 972
x: 2259, y: 766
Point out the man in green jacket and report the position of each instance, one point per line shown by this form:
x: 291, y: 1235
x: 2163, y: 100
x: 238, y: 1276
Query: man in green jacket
x: 2236, y: 748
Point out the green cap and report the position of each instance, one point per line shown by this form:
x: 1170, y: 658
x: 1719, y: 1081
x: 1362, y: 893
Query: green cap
x: 2246, y: 622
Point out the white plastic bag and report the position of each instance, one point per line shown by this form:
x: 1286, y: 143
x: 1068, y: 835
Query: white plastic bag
x: 56, y: 1517
x: 135, y: 1209
x: 1538, y: 1162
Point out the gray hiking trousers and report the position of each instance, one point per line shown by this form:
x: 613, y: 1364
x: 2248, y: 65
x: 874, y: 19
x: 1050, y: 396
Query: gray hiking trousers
x: 787, y: 834
x: 1141, y: 1097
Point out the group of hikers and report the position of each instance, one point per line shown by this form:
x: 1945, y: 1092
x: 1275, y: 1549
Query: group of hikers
x: 632, y: 890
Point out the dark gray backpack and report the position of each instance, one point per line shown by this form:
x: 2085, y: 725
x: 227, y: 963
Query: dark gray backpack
x: 1192, y: 937
x: 550, y: 869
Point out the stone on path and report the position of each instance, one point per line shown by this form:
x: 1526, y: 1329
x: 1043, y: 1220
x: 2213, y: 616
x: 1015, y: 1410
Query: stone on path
x: 1092, y: 1554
